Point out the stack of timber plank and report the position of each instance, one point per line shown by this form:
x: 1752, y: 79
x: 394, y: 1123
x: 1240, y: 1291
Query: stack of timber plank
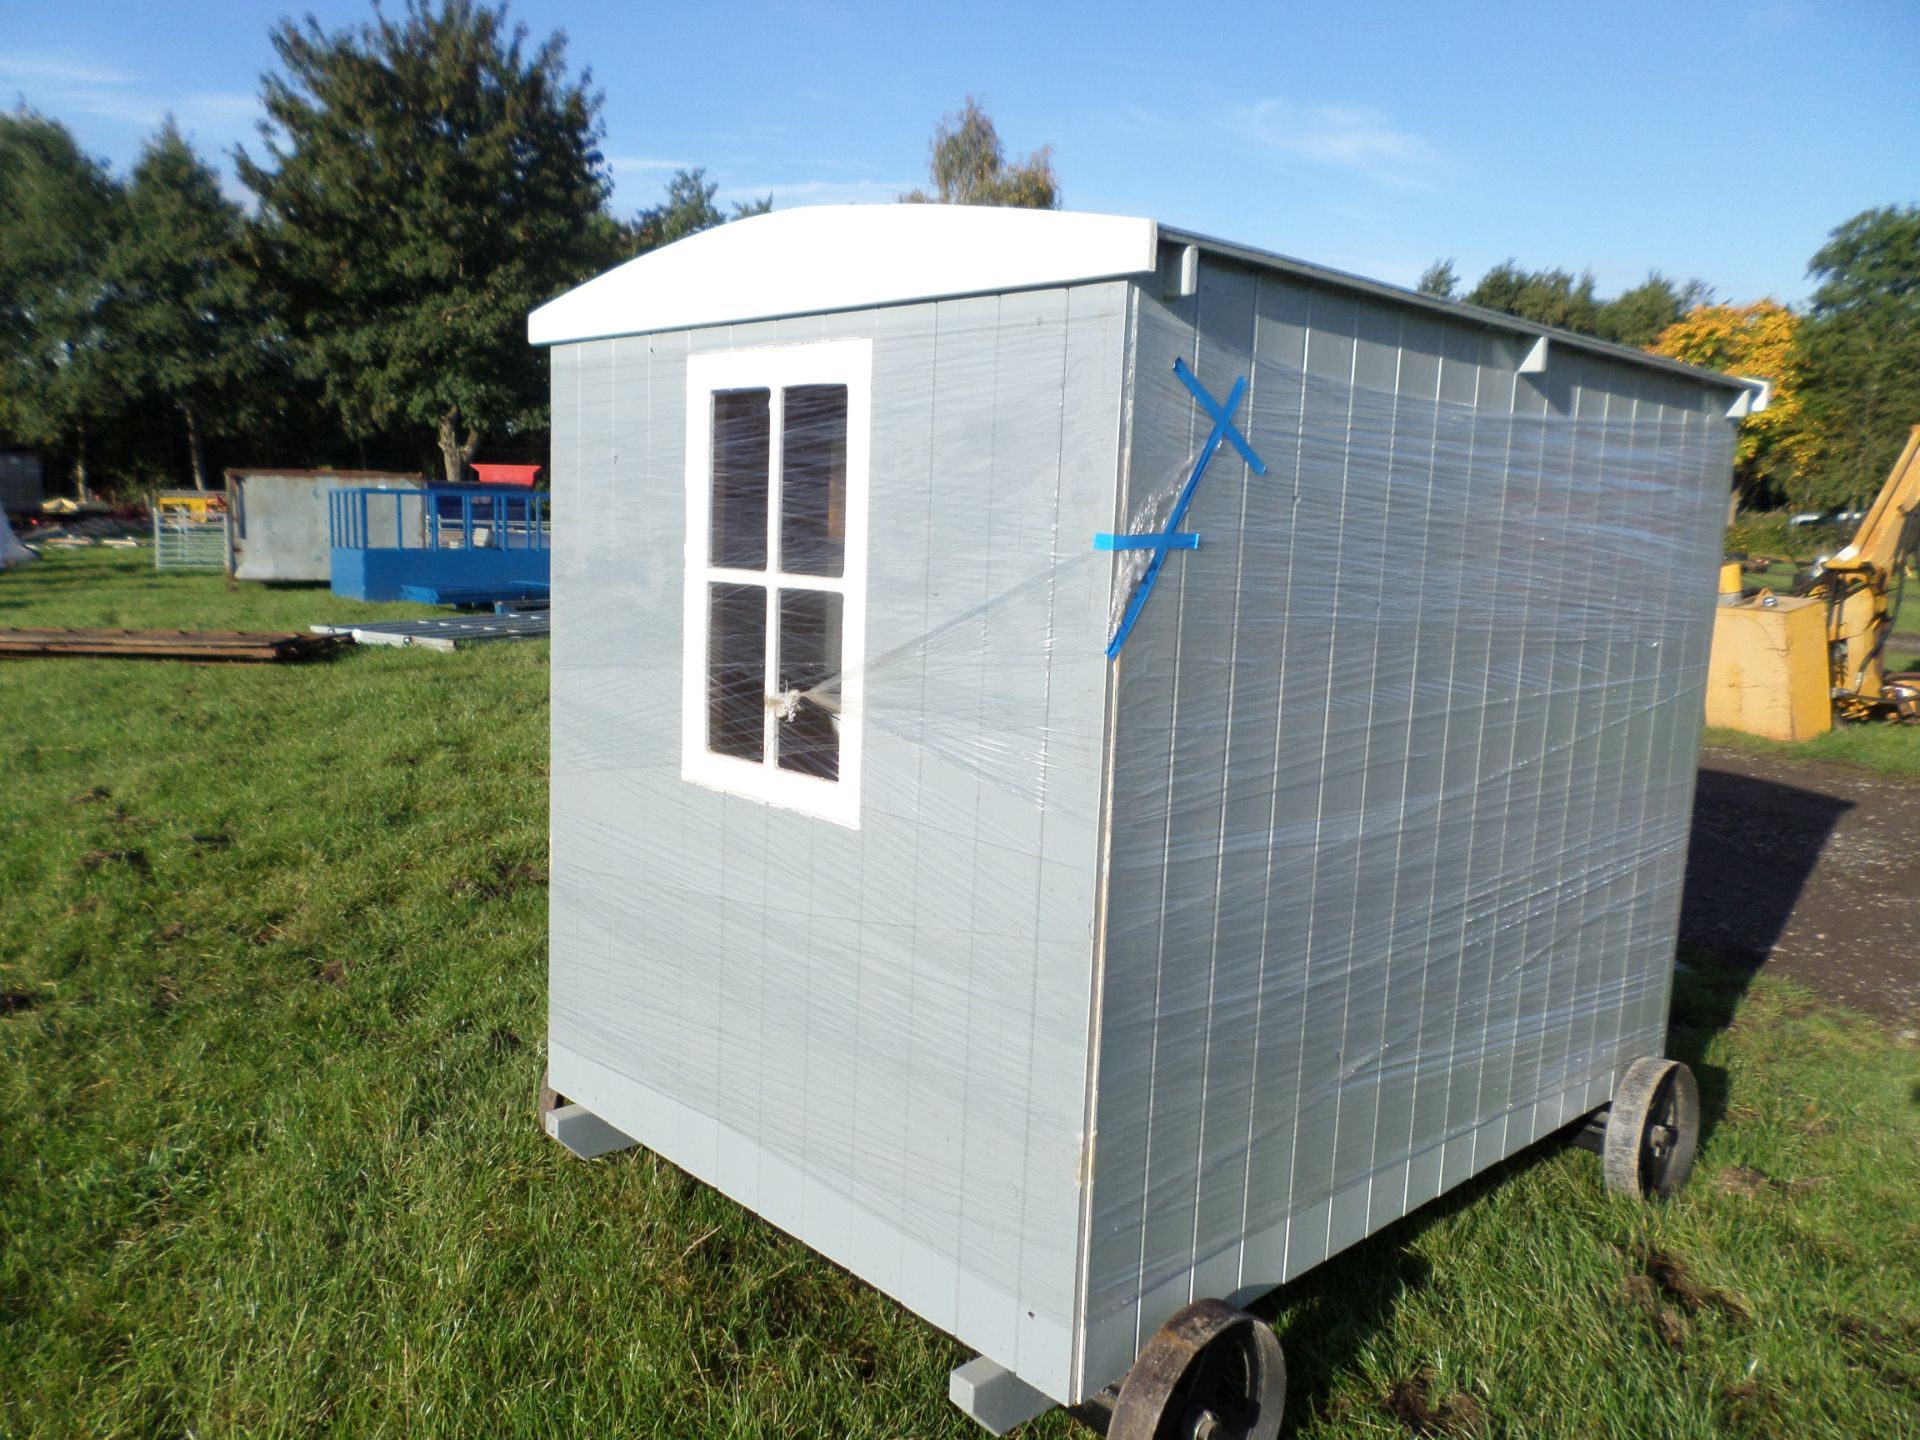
x: 216, y: 645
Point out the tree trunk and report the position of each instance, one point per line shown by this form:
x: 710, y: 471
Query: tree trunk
x: 80, y: 490
x: 455, y: 452
x: 194, y: 457
x: 449, y: 445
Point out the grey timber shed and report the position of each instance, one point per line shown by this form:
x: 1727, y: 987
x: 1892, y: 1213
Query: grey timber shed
x: 1054, y: 919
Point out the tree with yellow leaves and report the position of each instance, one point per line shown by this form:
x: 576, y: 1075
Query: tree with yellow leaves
x: 1776, y: 451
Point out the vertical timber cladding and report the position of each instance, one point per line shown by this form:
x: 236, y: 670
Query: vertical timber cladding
x: 876, y: 1038
x: 1404, y: 760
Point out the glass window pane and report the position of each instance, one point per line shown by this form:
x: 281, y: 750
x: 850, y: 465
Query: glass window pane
x: 737, y: 670
x: 810, y: 683
x: 741, y: 438
x: 813, y: 480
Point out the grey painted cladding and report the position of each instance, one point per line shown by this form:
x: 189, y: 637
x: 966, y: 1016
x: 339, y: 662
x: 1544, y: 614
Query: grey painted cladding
x: 1403, y: 765
x: 1358, y: 870
x: 876, y: 1038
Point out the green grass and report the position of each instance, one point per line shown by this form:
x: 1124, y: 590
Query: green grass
x: 1887, y: 748
x: 1767, y: 532
x: 275, y: 942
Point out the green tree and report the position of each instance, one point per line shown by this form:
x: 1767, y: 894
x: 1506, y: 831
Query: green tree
x: 1546, y: 297
x: 59, y: 210
x: 687, y: 210
x: 1639, y: 316
x: 1859, y: 351
x: 968, y: 166
x: 1439, y: 279
x: 427, y: 181
x: 184, y: 305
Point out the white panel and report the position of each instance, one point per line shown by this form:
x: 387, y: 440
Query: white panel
x: 843, y: 257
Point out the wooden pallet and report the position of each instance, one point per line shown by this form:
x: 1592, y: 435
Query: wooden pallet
x: 218, y: 645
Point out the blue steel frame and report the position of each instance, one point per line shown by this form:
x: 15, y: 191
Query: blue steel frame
x: 437, y: 550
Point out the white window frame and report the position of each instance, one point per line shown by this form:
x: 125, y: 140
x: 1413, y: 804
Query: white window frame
x: 776, y: 368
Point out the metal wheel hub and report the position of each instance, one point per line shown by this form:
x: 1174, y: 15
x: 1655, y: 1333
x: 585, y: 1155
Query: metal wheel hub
x: 1210, y: 1373
x: 1653, y: 1128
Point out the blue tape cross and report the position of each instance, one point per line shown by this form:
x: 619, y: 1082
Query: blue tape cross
x: 1173, y: 538
x: 1185, y: 540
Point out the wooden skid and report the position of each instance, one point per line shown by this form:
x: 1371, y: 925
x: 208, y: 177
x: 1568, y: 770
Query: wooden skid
x: 218, y: 645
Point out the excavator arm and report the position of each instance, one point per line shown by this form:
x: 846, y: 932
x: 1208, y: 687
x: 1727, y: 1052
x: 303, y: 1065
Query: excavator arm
x: 1861, y: 584
x: 1886, y: 537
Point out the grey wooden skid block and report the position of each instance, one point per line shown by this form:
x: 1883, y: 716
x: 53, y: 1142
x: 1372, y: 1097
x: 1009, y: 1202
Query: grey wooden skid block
x: 585, y: 1133
x: 994, y: 1396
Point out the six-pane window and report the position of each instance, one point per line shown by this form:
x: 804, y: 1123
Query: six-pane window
x: 776, y: 483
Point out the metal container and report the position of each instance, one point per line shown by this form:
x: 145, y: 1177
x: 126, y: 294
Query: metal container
x: 22, y: 482
x: 279, y: 519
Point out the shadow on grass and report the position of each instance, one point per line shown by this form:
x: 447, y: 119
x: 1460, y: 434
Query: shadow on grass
x: 1706, y: 995
x: 1329, y: 1318
x: 1754, y: 844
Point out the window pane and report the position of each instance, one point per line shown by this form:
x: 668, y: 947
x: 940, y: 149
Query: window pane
x: 741, y: 432
x: 813, y: 480
x: 810, y: 682
x: 736, y: 671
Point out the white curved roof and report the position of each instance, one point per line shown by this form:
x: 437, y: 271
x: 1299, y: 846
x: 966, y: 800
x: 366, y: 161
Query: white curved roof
x: 849, y: 257
x: 844, y: 257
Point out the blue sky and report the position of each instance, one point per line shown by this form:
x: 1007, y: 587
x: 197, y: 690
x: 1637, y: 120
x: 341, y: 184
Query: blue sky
x: 1719, y: 141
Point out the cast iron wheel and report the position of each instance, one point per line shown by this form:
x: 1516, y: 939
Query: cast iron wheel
x: 1210, y: 1373
x: 1653, y: 1129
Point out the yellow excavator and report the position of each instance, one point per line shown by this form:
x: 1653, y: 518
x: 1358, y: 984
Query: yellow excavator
x: 1862, y: 586
x: 1785, y: 665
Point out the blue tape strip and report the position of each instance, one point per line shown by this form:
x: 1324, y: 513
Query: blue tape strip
x: 1185, y: 540
x: 1222, y: 415
x: 1172, y: 537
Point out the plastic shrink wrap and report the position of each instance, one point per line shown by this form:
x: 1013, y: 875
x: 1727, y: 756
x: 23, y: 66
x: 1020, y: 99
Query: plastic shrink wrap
x: 1047, y: 990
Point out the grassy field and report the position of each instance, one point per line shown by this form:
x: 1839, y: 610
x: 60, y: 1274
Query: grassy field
x: 1889, y: 749
x: 271, y: 1022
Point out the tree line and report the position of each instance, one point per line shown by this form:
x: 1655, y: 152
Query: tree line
x: 1845, y: 369
x: 423, y: 181
x: 426, y: 178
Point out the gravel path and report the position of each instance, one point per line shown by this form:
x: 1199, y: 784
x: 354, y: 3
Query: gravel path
x: 1810, y: 871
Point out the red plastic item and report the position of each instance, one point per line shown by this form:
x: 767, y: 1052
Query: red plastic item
x: 506, y: 474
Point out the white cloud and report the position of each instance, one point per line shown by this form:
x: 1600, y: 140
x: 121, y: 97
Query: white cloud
x: 67, y: 87
x: 636, y: 162
x: 34, y: 69
x: 1343, y: 137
